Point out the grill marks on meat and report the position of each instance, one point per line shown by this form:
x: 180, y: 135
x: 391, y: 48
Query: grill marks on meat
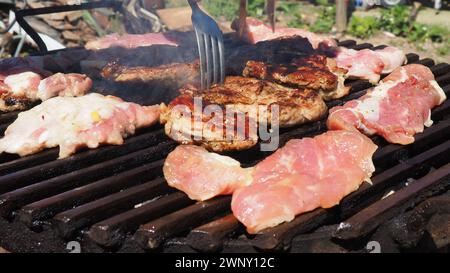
x: 303, y: 175
x: 215, y: 133
x: 316, y: 72
x: 148, y: 50
x: 75, y: 122
x: 250, y: 97
x: 174, y: 75
x: 345, y: 63
x: 397, y: 109
x: 301, y: 77
x: 369, y: 64
x: 256, y: 31
x: 19, y: 91
x: 281, y: 50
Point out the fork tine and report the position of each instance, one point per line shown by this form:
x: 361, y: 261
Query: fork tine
x: 215, y: 58
x: 210, y: 46
x: 202, y: 57
x: 222, y: 59
x: 209, y: 61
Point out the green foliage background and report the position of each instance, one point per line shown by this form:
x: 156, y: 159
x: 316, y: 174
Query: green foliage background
x: 394, y: 20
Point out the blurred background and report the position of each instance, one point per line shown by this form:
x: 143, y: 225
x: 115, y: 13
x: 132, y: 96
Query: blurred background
x: 420, y: 27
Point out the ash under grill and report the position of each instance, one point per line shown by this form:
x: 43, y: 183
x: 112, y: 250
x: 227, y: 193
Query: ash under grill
x: 114, y: 199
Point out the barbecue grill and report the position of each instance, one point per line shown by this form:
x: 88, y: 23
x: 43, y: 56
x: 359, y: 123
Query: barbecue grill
x: 114, y: 198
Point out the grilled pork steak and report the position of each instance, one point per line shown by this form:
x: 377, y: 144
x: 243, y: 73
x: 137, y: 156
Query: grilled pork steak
x: 315, y: 72
x: 175, y: 75
x: 248, y: 96
x: 281, y: 50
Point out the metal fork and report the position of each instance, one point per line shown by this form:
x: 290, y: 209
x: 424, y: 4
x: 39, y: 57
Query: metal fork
x: 210, y: 46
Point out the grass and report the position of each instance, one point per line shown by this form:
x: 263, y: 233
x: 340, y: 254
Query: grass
x: 363, y: 27
x: 221, y: 8
x: 228, y: 9
x: 444, y: 50
x: 326, y: 20
x: 396, y: 20
x: 323, y: 23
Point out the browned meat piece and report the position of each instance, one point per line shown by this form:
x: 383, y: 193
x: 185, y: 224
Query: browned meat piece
x: 176, y: 74
x: 315, y: 72
x: 280, y: 50
x: 210, y: 131
x: 248, y: 96
x: 149, y: 56
x: 18, y: 91
x: 10, y: 102
x: 296, y: 76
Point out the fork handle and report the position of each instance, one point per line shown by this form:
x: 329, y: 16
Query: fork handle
x: 194, y: 4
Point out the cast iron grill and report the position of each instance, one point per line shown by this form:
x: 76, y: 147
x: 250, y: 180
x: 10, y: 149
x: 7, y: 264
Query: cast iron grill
x: 114, y: 199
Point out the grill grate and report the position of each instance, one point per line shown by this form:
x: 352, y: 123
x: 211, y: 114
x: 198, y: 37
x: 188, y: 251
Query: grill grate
x: 114, y: 199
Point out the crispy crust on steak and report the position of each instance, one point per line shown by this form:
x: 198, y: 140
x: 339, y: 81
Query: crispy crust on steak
x: 316, y: 72
x: 279, y: 50
x: 243, y: 95
x: 10, y: 102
